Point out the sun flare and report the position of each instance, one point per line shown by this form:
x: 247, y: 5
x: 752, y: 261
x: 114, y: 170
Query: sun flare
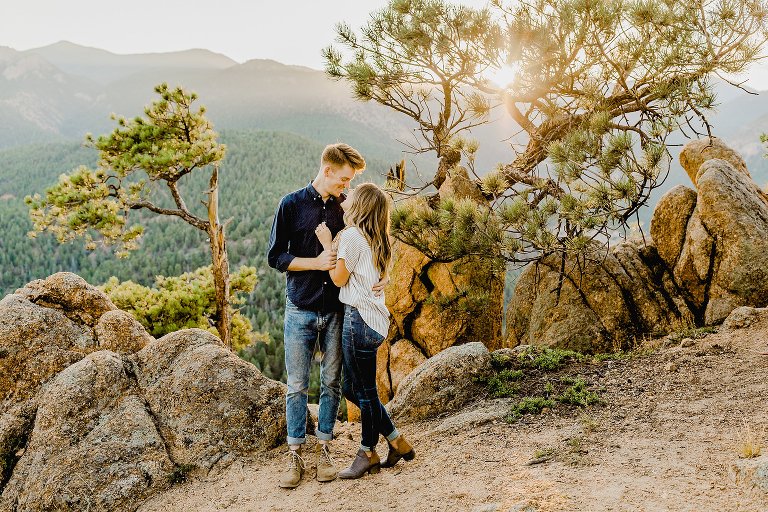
x: 502, y: 76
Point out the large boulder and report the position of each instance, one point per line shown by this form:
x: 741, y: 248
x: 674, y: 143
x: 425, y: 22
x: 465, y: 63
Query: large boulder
x: 598, y: 306
x: 443, y: 384
x: 708, y: 256
x: 696, y: 152
x: 721, y: 260
x: 734, y: 214
x: 208, y: 403
x: 45, y: 327
x: 83, y: 428
x: 94, y: 445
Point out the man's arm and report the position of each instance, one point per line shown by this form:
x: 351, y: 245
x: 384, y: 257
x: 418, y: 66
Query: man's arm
x: 325, y: 261
x: 379, y: 287
x: 278, y: 256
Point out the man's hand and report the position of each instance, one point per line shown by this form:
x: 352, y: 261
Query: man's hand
x: 326, y: 260
x: 379, y: 287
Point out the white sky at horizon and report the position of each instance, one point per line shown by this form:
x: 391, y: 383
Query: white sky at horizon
x: 288, y: 31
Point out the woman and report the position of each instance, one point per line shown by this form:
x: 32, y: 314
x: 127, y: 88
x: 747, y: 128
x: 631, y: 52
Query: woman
x: 364, y: 253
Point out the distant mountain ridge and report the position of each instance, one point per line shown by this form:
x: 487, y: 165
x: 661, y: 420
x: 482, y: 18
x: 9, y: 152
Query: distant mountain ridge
x: 61, y: 91
x: 104, y: 67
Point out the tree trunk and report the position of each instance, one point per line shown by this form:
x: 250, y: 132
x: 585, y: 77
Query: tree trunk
x: 220, y: 262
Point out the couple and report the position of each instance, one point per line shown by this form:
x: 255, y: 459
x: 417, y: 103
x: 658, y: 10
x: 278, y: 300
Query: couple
x: 336, y: 251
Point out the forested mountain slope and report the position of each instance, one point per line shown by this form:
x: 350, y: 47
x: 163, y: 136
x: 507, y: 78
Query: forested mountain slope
x: 259, y: 168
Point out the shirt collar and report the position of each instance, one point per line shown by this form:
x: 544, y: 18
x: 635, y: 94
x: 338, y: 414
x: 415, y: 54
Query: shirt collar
x: 315, y: 194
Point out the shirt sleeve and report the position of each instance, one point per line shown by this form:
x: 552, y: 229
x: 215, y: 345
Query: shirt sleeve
x: 279, y: 239
x: 349, y: 248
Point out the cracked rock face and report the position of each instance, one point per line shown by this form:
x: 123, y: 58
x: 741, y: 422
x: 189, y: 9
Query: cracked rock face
x: 709, y: 256
x: 723, y: 260
x: 431, y: 312
x: 436, y: 306
x: 84, y: 428
x: 599, y: 307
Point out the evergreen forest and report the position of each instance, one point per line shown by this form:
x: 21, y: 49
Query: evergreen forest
x: 259, y: 168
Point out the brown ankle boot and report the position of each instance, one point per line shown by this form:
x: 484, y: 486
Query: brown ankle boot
x: 292, y: 475
x: 404, y: 451
x: 361, y: 465
x: 326, y: 469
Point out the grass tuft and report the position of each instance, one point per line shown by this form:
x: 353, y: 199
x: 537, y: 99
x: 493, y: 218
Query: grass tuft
x: 749, y: 444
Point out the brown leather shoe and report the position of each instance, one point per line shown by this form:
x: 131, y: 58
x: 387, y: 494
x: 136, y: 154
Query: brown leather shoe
x: 405, y: 451
x: 361, y: 465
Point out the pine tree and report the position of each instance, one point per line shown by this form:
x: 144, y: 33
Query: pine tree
x: 141, y: 160
x: 600, y: 85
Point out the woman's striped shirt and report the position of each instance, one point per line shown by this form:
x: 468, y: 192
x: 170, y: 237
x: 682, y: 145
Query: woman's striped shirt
x: 358, y: 258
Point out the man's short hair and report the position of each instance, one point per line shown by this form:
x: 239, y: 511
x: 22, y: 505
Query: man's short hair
x: 341, y: 154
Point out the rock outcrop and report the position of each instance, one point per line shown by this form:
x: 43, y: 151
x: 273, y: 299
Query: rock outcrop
x: 696, y: 152
x: 95, y: 414
x: 708, y: 256
x: 444, y: 383
x: 438, y: 305
x: 600, y: 306
x: 721, y: 261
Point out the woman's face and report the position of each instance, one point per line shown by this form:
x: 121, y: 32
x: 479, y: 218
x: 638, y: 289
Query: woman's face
x: 346, y: 203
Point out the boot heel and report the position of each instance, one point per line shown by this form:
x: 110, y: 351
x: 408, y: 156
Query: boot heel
x: 410, y: 455
x: 374, y: 469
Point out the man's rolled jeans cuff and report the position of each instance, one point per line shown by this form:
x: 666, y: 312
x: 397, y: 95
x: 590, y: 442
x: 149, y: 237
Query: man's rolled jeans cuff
x: 366, y: 448
x: 322, y: 436
x: 394, y: 435
x: 296, y: 440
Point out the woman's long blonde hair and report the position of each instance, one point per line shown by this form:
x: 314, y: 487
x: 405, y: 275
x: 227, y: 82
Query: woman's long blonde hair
x: 369, y: 211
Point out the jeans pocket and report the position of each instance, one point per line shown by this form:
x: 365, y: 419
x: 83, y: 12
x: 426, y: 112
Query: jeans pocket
x: 369, y: 338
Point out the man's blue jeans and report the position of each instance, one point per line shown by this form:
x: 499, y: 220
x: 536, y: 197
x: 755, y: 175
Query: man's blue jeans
x: 303, y: 328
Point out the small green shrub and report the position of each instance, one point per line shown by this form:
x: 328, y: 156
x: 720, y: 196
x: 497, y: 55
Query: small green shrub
x: 548, y: 359
x: 578, y: 394
x: 503, y: 384
x: 180, y: 473
x: 529, y: 405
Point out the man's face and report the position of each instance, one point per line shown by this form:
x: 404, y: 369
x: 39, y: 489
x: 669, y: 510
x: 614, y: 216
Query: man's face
x: 338, y: 179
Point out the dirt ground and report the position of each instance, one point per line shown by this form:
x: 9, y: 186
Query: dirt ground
x: 669, y: 429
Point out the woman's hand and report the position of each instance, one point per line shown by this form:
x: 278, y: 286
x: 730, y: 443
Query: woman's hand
x: 324, y: 235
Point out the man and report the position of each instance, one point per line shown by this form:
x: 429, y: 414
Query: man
x: 313, y: 312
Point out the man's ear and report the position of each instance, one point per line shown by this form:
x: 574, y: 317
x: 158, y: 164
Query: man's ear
x: 327, y: 171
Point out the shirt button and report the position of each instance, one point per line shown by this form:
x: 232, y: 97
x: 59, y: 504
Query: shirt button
x: 325, y: 282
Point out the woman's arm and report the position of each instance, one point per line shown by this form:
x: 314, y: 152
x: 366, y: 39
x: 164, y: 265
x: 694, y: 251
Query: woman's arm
x: 340, y: 274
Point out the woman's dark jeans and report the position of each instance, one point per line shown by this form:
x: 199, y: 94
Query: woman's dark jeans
x: 359, y: 344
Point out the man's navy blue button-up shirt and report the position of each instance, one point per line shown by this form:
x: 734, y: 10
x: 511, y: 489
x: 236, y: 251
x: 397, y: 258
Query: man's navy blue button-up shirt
x: 293, y: 235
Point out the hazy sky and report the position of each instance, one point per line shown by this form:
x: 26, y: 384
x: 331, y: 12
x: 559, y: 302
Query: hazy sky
x: 288, y: 31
